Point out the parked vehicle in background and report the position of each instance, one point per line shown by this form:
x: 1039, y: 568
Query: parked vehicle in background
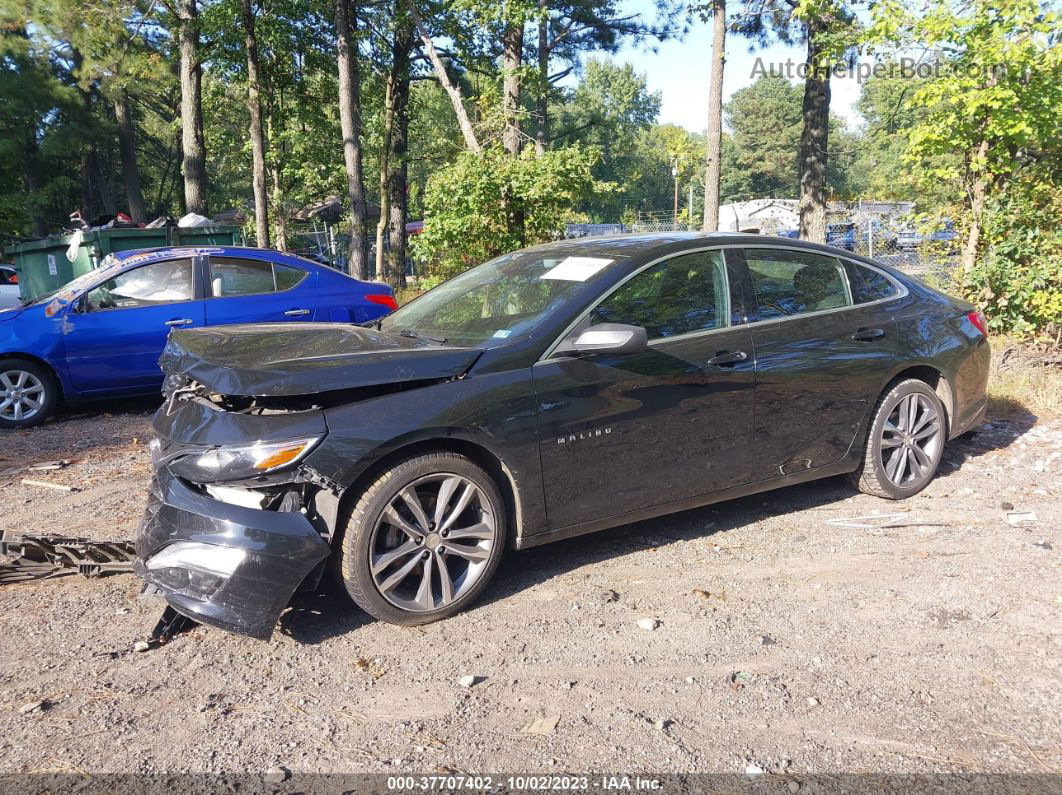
x: 910, y: 237
x: 101, y: 335
x: 9, y: 295
x: 554, y: 391
x: 849, y: 235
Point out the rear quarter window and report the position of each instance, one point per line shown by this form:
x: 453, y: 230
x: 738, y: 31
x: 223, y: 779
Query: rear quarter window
x: 869, y: 285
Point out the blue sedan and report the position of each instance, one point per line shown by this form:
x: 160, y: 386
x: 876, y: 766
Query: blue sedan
x: 101, y: 335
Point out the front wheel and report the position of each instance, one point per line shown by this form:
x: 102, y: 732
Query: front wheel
x: 423, y: 540
x: 28, y: 393
x: 905, y: 442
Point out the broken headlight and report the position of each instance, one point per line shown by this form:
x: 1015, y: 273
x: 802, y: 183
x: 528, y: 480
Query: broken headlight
x: 241, y: 462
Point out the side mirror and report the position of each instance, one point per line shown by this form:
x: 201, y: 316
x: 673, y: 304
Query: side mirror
x: 611, y: 338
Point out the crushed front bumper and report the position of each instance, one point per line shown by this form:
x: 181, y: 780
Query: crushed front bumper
x: 279, y: 550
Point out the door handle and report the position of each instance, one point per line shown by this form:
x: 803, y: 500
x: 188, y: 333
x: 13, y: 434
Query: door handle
x: 180, y: 321
x: 724, y: 358
x: 297, y: 312
x: 869, y: 334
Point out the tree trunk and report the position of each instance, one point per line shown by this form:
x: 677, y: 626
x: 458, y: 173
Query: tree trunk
x: 397, y: 177
x: 193, y: 144
x: 134, y: 194
x: 512, y: 57
x: 714, y: 152
x: 281, y: 220
x: 444, y: 80
x: 258, y: 146
x: 978, y: 194
x: 542, y: 100
x: 350, y: 121
x: 385, y: 159
x: 814, y: 139
x: 32, y: 175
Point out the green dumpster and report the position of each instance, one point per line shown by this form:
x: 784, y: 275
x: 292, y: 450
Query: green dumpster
x: 43, y: 265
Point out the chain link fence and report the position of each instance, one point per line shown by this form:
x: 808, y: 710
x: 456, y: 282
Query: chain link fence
x: 928, y: 252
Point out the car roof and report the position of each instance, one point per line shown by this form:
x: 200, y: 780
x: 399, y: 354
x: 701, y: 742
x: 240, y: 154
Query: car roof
x: 121, y: 256
x: 134, y: 255
x: 646, y: 245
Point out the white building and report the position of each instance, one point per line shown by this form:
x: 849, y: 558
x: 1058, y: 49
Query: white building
x: 765, y: 216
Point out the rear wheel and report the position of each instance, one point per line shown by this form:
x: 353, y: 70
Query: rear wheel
x: 905, y: 442
x: 28, y: 393
x: 423, y: 540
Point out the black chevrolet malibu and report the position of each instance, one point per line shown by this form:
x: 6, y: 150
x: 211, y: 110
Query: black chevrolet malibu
x: 554, y: 391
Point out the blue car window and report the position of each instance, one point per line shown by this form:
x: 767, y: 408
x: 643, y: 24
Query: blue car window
x: 678, y: 296
x: 794, y: 282
x: 287, y: 277
x: 158, y: 283
x: 230, y: 276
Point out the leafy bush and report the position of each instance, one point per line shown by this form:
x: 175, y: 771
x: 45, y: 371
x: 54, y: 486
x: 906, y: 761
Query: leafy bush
x: 484, y: 205
x: 1017, y: 280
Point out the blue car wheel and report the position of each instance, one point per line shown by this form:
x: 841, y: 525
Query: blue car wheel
x: 28, y: 393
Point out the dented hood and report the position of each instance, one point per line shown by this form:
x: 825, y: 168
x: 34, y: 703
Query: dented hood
x: 276, y: 359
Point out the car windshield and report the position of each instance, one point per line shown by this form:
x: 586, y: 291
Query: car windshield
x: 500, y: 299
x: 70, y: 290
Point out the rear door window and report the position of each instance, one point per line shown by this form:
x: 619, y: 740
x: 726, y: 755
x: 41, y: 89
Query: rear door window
x: 789, y: 282
x: 230, y: 276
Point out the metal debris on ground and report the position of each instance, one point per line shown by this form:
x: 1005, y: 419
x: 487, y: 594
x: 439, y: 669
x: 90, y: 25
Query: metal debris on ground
x: 170, y: 625
x: 44, y: 557
x: 870, y: 521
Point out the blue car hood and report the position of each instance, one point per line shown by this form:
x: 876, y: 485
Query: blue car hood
x: 279, y: 359
x: 11, y: 313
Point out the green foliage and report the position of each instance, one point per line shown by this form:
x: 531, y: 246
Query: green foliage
x: 484, y: 205
x: 986, y: 128
x: 1018, y: 278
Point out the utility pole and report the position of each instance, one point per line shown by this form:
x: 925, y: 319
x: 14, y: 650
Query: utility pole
x: 689, y: 209
x: 674, y: 177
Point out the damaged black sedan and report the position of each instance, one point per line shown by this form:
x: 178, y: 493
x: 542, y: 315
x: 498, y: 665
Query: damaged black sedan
x: 550, y: 392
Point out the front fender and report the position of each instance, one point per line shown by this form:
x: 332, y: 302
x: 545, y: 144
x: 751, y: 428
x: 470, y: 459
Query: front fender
x: 32, y: 334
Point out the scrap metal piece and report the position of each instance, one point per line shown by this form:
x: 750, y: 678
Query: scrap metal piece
x: 172, y: 623
x: 45, y: 557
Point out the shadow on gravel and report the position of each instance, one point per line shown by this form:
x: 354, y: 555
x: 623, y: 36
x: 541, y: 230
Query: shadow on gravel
x: 522, y: 570
x: 87, y: 411
x: 984, y: 439
x: 316, y: 617
x: 313, y: 618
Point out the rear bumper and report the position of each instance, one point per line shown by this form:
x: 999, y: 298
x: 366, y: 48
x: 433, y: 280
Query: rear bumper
x: 279, y: 550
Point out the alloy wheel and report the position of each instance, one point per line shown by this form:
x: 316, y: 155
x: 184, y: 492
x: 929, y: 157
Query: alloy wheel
x: 432, y: 542
x: 911, y: 440
x: 21, y: 395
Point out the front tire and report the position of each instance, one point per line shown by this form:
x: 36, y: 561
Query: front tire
x: 423, y: 540
x: 28, y: 393
x: 905, y: 442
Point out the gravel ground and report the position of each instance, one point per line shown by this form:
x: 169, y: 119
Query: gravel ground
x: 786, y: 642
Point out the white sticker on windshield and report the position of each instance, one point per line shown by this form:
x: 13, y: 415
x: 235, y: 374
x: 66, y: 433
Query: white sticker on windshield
x: 576, y: 269
x: 502, y: 333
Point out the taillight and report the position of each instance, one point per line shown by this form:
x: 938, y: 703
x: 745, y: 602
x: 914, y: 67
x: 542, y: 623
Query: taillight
x: 979, y: 322
x: 383, y: 299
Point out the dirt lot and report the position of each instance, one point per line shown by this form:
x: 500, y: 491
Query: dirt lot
x: 788, y: 643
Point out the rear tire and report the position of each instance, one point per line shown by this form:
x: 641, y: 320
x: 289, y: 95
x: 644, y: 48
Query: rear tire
x: 29, y: 392
x: 405, y: 558
x: 905, y: 442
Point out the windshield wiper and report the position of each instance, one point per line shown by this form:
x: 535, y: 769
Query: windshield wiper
x: 408, y: 332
